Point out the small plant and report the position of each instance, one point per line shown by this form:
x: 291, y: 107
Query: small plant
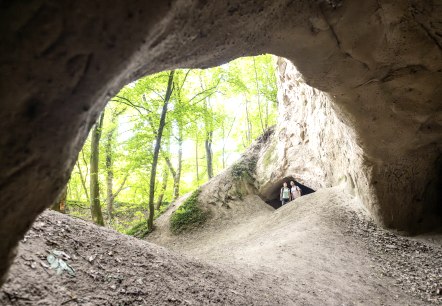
x: 189, y: 215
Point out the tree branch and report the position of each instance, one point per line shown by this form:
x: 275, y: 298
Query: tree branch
x: 121, y: 186
x: 169, y: 163
x: 83, y: 181
x: 127, y: 102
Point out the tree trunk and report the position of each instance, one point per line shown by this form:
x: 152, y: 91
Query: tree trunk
x: 163, y: 188
x: 223, y: 156
x: 109, y: 175
x: 83, y: 180
x: 176, y: 174
x: 258, y: 93
x: 60, y: 204
x: 209, y: 154
x: 177, y: 177
x: 249, y: 125
x: 196, y: 161
x: 156, y: 152
x: 97, y: 216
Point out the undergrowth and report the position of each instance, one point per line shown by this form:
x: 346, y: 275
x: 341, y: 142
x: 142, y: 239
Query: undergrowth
x: 140, y: 230
x: 189, y: 215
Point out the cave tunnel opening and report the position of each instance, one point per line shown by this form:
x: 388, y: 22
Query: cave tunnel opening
x: 271, y: 197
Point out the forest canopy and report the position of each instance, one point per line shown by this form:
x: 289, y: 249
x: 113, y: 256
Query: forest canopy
x: 166, y: 134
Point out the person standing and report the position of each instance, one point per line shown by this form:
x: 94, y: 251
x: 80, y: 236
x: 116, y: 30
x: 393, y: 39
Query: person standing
x: 295, y: 191
x: 284, y: 194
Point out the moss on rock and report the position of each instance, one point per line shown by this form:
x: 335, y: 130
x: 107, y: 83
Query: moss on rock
x: 244, y: 170
x: 269, y: 157
x: 189, y: 215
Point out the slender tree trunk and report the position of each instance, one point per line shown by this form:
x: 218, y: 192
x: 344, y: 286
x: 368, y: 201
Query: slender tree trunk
x: 223, y: 156
x: 109, y: 175
x: 96, y: 213
x: 176, y: 174
x: 163, y: 188
x: 83, y: 181
x: 60, y: 204
x: 156, y: 152
x: 259, y: 96
x: 249, y: 125
x: 208, y: 122
x: 209, y: 154
x: 267, y: 115
x: 196, y: 161
x: 177, y: 177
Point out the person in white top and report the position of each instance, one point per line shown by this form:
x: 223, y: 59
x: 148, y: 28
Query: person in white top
x: 284, y: 194
x: 295, y: 191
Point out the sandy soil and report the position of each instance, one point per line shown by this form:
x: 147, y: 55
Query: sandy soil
x: 323, y: 250
x: 317, y: 250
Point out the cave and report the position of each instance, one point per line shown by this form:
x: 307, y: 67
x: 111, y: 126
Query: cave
x: 379, y: 63
x: 272, y: 195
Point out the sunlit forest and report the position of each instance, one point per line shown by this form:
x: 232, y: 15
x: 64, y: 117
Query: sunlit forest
x: 164, y: 135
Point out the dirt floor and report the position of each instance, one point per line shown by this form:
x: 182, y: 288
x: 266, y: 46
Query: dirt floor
x: 323, y: 250
x: 317, y: 250
x: 113, y: 269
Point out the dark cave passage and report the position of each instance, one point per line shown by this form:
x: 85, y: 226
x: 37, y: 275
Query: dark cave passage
x: 272, y: 197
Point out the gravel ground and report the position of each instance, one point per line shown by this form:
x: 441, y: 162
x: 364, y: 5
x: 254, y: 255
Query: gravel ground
x: 415, y: 264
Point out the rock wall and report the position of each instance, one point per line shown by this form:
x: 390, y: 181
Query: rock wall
x: 310, y: 143
x: 380, y: 61
x: 320, y: 145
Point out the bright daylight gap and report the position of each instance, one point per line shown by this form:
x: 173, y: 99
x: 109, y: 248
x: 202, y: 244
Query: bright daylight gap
x: 212, y: 116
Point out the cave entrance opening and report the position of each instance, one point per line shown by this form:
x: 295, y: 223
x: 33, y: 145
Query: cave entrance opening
x: 271, y: 197
x: 210, y: 117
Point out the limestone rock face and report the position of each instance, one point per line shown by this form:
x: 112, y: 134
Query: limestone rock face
x: 379, y: 61
x: 310, y: 143
x: 321, y: 145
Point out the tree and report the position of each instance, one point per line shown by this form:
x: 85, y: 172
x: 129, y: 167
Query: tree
x: 96, y: 213
x: 156, y: 151
x: 209, y: 153
x: 83, y: 177
x: 211, y: 116
x: 110, y: 135
x: 179, y: 115
x: 208, y: 118
x: 163, y: 188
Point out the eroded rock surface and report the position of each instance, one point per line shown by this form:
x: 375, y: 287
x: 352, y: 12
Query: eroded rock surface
x: 379, y: 61
x: 323, y: 145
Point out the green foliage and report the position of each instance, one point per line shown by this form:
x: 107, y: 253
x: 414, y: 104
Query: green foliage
x: 139, y: 229
x: 189, y: 215
x: 234, y: 103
